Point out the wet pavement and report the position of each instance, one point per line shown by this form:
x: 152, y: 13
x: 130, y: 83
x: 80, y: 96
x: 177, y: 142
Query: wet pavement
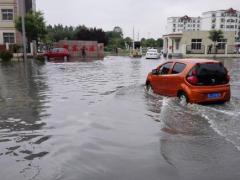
x: 95, y: 121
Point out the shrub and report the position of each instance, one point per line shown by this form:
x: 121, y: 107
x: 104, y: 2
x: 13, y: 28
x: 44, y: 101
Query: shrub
x: 15, y: 48
x: 6, y: 55
x: 40, y: 58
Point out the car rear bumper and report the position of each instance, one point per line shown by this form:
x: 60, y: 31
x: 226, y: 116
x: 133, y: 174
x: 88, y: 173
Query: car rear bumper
x: 152, y: 56
x: 200, y: 94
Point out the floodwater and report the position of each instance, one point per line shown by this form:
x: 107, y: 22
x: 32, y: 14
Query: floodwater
x: 95, y: 121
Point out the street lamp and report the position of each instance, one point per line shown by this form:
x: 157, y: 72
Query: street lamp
x: 22, y: 11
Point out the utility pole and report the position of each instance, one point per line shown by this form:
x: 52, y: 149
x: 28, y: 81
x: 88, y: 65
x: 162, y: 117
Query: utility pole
x: 22, y: 11
x: 133, y: 39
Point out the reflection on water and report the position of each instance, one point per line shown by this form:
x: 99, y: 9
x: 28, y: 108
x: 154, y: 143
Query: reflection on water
x: 94, y: 120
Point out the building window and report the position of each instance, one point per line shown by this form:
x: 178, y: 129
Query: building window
x: 196, y: 43
x: 221, y: 44
x: 230, y: 20
x: 7, y: 14
x: 221, y: 26
x: 222, y: 20
x: 213, y: 26
x: 8, y: 38
x: 213, y: 15
x: 230, y: 26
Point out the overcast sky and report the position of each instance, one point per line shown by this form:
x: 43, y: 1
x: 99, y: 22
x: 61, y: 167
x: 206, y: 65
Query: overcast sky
x: 148, y: 17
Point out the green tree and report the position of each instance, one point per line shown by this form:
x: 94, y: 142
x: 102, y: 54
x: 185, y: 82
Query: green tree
x: 159, y: 42
x: 35, y: 26
x: 215, y: 36
x: 148, y: 42
x: 59, y: 32
x: 128, y: 41
x: 118, y: 30
x: 115, y: 39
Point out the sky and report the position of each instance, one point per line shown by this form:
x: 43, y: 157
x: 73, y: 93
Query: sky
x: 147, y: 17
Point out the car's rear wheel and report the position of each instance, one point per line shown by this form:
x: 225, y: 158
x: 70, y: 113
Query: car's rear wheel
x: 148, y: 86
x: 65, y: 58
x: 45, y: 58
x: 183, y: 98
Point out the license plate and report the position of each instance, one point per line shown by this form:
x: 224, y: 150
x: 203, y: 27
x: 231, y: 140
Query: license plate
x: 214, y: 95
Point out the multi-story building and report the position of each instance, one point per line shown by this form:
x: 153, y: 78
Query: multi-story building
x: 226, y: 20
x: 9, y: 11
x: 181, y: 24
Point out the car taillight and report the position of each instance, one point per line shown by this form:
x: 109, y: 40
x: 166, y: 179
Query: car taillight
x: 192, y: 80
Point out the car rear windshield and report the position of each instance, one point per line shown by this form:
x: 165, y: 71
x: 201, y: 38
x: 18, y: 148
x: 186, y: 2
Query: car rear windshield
x: 211, y: 74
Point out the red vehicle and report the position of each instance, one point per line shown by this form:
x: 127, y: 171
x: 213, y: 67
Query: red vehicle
x: 192, y: 80
x: 57, y: 53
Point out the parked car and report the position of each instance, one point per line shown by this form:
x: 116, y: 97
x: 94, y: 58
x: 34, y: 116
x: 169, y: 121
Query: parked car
x: 57, y: 53
x: 192, y: 80
x: 152, y: 54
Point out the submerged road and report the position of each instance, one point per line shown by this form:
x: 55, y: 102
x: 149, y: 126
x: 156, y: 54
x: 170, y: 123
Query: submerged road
x: 95, y: 121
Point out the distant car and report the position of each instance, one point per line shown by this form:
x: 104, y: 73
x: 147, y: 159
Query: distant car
x: 152, y: 54
x: 192, y: 80
x: 57, y: 53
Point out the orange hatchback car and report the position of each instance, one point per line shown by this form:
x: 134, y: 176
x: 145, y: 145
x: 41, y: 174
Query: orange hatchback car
x: 192, y: 80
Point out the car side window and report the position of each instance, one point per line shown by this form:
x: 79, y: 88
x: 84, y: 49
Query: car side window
x: 178, y: 68
x: 165, y: 68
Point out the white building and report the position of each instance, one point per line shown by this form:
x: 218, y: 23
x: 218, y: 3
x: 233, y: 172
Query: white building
x: 225, y: 20
x: 197, y: 44
x: 181, y: 24
x: 9, y: 11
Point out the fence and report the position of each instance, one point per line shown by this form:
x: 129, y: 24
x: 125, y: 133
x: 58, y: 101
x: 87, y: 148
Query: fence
x: 233, y: 49
x: 226, y: 49
x: 15, y: 48
x: 216, y: 50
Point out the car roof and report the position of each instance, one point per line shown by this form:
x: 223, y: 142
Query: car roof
x: 193, y: 61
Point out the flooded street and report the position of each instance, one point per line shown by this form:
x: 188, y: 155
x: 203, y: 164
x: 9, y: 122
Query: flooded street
x: 95, y: 121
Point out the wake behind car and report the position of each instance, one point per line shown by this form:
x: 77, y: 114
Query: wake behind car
x: 192, y: 80
x: 152, y: 54
x: 57, y: 53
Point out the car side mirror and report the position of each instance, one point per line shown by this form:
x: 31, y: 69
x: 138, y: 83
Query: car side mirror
x: 155, y: 72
